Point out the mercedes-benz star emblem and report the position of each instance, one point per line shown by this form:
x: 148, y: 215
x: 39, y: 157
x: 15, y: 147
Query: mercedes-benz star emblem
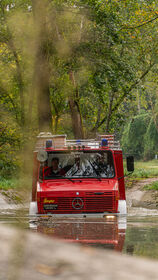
x: 77, y: 203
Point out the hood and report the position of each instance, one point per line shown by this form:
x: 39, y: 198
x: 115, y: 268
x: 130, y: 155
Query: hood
x: 76, y: 185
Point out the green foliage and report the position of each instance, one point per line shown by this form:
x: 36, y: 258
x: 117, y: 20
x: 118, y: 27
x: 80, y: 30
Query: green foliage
x: 110, y: 46
x: 153, y: 186
x: 133, y: 136
x: 151, y: 140
x: 10, y: 141
x: 144, y: 173
x: 140, y: 137
x: 143, y: 169
x: 6, y: 184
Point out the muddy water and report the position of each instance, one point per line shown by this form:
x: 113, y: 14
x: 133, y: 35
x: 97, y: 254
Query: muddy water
x: 137, y: 234
x: 142, y: 236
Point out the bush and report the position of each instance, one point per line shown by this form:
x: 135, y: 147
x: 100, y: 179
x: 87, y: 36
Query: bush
x: 132, y: 141
x: 140, y: 137
x: 10, y: 143
x: 150, y: 141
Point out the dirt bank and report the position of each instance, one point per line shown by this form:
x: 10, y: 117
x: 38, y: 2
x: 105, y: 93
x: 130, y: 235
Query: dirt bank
x: 12, y: 199
x: 138, y: 197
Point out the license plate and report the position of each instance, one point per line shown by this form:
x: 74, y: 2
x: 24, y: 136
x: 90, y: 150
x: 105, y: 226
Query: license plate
x: 50, y: 206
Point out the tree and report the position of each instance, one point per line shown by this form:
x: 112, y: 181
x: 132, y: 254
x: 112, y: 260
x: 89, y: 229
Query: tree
x: 89, y: 61
x: 41, y: 77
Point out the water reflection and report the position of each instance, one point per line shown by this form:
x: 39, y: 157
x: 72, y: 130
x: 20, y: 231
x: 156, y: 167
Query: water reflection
x: 142, y: 237
x: 105, y: 233
x: 17, y: 218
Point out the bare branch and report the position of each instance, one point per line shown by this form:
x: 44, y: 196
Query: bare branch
x: 140, y: 25
x: 126, y: 92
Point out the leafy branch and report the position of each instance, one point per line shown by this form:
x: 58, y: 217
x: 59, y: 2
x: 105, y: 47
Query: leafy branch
x: 124, y: 95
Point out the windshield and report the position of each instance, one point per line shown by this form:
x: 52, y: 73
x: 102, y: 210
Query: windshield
x: 78, y: 164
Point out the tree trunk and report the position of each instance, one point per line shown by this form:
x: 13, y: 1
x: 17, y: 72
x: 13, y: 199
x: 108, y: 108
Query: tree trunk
x: 138, y: 101
x: 76, y: 119
x: 109, y: 113
x: 94, y: 129
x: 75, y: 111
x: 56, y: 123
x: 154, y: 114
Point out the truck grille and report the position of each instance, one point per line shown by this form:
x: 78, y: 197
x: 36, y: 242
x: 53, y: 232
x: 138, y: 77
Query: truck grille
x: 100, y: 203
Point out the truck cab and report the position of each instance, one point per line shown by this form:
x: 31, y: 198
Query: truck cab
x: 88, y: 178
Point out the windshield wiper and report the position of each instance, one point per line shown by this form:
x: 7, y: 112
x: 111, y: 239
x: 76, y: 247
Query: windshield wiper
x: 74, y: 180
x: 69, y: 179
x: 99, y: 178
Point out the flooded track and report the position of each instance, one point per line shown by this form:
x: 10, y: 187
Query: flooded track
x: 137, y: 234
x: 133, y: 235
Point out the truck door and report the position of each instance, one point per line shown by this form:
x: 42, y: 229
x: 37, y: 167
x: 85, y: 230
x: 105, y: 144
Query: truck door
x: 120, y: 173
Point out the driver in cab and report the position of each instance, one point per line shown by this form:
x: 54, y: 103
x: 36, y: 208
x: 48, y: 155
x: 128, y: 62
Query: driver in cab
x: 54, y: 169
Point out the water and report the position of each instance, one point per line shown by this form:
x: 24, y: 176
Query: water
x: 135, y: 235
x: 142, y: 237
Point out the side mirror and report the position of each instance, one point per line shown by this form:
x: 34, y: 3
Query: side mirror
x: 130, y: 163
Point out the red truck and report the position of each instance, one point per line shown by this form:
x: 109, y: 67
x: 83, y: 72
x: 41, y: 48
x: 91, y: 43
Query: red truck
x: 78, y: 177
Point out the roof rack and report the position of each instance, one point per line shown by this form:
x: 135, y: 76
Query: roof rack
x: 60, y: 141
x: 91, y: 143
x: 112, y: 143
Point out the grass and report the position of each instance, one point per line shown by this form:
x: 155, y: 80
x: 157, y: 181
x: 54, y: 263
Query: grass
x: 16, y: 190
x: 24, y: 182
x: 6, y: 184
x: 143, y: 169
x: 152, y: 186
x: 147, y: 164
